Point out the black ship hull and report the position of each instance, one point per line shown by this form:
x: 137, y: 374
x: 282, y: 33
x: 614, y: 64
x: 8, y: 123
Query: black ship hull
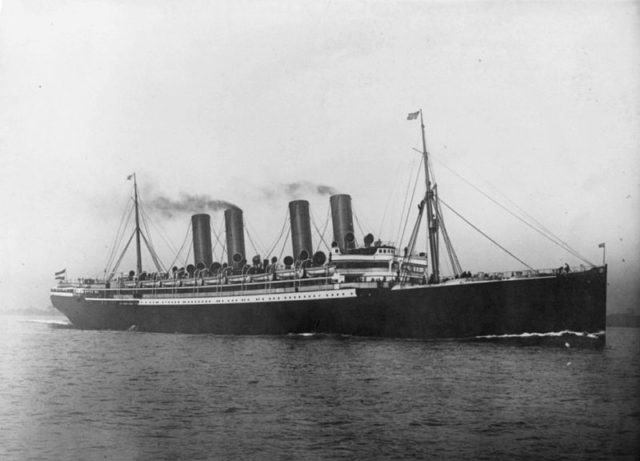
x: 573, y: 301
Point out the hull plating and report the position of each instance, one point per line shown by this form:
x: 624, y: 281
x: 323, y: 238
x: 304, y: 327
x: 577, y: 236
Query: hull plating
x: 575, y: 301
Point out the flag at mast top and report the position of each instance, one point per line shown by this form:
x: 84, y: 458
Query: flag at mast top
x: 413, y: 115
x: 130, y: 176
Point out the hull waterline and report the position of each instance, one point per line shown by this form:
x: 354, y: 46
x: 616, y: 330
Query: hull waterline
x: 573, y: 301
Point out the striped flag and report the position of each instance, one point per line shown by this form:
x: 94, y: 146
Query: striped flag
x: 413, y: 115
x: 60, y: 275
x: 601, y: 245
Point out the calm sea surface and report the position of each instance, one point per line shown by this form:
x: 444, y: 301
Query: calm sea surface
x: 72, y: 394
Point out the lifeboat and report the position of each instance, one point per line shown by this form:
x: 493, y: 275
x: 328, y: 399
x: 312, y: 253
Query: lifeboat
x: 241, y: 278
x: 324, y: 271
x: 213, y: 281
x: 288, y: 274
x: 266, y: 277
x: 171, y: 283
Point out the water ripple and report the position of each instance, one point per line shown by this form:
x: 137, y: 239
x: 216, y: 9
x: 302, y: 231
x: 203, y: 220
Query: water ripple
x: 75, y: 394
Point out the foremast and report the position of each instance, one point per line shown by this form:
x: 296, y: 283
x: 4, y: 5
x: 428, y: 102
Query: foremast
x: 138, y: 247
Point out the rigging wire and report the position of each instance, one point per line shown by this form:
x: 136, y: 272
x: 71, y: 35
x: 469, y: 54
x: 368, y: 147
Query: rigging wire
x: 217, y: 236
x: 115, y: 268
x: 404, y: 205
x: 416, y: 228
x: 257, y: 252
x: 259, y: 247
x: 486, y: 236
x: 275, y: 244
x: 149, y: 242
x: 284, y: 244
x: 448, y: 263
x: 453, y: 257
x: 539, y: 227
x: 154, y: 256
x: 184, y: 242
x: 186, y: 259
x: 392, y: 192
x: 161, y: 232
x: 143, y: 215
x: 455, y: 266
x: 561, y: 243
x: 321, y: 235
x: 117, y: 241
x: 415, y: 184
x: 358, y: 223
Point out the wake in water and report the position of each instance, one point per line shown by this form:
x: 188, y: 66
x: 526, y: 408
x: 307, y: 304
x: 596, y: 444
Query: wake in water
x: 549, y: 334
x: 64, y: 323
x: 315, y: 335
x: 57, y: 324
x: 564, y: 338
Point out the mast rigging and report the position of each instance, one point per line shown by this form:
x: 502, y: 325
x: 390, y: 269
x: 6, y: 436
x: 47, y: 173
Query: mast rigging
x: 138, y: 249
x: 432, y: 221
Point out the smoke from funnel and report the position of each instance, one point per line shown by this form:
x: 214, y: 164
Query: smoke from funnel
x: 297, y: 190
x: 188, y: 203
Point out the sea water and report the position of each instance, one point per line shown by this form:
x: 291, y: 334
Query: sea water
x: 74, y: 394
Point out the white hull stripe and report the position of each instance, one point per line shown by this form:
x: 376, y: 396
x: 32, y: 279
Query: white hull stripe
x: 261, y: 298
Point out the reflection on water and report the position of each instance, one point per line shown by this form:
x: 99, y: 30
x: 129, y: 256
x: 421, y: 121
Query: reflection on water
x: 68, y: 393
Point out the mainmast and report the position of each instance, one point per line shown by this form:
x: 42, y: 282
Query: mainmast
x: 138, y: 250
x: 432, y: 222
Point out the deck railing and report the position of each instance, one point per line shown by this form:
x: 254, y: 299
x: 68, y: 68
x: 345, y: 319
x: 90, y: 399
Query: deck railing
x: 200, y: 289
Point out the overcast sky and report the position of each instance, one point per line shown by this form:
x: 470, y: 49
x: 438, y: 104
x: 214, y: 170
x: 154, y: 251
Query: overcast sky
x: 534, y: 102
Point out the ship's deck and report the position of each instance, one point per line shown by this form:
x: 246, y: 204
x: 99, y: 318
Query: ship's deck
x: 279, y: 287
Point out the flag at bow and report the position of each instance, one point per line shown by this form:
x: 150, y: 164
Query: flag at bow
x: 413, y: 115
x: 60, y: 275
x: 601, y: 245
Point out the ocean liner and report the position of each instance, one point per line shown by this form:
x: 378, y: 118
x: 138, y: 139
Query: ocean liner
x: 372, y: 289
